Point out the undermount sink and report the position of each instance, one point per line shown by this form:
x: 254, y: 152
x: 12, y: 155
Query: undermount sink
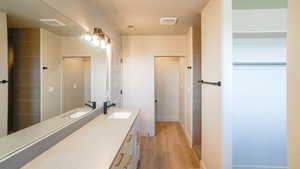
x: 119, y: 115
x: 80, y: 113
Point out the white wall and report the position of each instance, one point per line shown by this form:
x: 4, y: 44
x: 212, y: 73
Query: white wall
x: 216, y: 24
x: 293, y: 77
x: 260, y: 20
x: 139, y: 53
x: 259, y: 97
x: 260, y: 49
x: 74, y: 46
x: 3, y: 74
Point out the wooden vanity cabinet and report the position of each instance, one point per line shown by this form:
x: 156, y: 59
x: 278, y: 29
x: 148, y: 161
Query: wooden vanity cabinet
x: 128, y: 156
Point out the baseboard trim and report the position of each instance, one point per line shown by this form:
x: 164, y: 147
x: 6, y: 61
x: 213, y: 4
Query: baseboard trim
x: 258, y: 167
x: 202, y: 164
x: 187, y: 136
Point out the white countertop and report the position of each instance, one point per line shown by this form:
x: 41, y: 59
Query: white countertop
x: 94, y: 146
x: 18, y: 140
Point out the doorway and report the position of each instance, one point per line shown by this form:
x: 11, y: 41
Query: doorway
x: 169, y: 89
x: 76, y: 83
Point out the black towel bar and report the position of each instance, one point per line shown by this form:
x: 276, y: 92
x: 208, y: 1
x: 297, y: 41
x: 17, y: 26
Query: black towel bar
x: 211, y: 83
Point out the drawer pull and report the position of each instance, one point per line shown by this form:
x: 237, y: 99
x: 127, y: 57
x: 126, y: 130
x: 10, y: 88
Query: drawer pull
x: 129, y: 138
x: 120, y: 160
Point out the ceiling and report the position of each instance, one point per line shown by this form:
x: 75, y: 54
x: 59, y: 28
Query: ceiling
x: 145, y: 15
x: 27, y: 14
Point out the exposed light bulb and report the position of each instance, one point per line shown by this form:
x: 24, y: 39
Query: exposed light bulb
x: 95, y: 37
x: 108, y: 46
x: 87, y: 37
x: 95, y: 42
x: 103, y: 44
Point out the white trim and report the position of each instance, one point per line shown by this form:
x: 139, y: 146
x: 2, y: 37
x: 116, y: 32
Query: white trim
x: 42, y: 90
x: 202, y: 164
x: 3, y: 74
x: 259, y: 166
x: 187, y: 136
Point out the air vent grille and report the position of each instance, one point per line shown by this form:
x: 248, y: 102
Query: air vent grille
x: 53, y: 22
x: 168, y: 21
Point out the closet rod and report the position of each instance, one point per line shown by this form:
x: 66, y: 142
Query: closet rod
x: 259, y: 64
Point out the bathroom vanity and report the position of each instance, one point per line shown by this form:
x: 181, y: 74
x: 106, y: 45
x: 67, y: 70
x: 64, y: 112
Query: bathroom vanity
x: 108, y: 142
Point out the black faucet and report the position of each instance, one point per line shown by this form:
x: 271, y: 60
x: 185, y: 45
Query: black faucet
x: 91, y: 104
x: 106, y: 106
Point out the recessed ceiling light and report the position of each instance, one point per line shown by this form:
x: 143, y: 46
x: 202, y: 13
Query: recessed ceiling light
x: 131, y: 28
x: 168, y: 21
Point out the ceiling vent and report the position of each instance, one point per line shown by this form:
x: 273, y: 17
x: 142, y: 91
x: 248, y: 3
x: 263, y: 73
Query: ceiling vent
x: 131, y: 28
x: 168, y: 21
x: 53, y: 22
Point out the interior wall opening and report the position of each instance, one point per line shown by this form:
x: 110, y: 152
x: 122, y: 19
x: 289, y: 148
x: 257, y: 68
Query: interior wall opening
x: 259, y: 133
x: 169, y: 89
x: 76, y: 82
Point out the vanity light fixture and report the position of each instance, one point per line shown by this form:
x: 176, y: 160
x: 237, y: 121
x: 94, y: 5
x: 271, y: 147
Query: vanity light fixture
x: 95, y: 38
x: 103, y: 44
x: 95, y: 42
x: 108, y: 45
x: 98, y: 38
x: 102, y: 36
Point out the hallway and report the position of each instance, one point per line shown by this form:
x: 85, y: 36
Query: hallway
x: 168, y: 149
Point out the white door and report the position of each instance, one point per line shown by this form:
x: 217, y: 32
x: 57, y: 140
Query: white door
x: 3, y: 75
x: 167, y: 88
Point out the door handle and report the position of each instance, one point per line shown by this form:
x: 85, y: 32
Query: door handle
x: 45, y: 68
x: 3, y: 81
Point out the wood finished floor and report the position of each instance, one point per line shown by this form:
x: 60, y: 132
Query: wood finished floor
x: 169, y: 149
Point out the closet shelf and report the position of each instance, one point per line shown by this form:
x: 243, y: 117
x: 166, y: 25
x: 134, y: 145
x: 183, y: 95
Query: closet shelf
x: 260, y: 34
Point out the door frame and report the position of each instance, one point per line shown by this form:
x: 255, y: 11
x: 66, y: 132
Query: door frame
x: 3, y: 75
x: 185, y: 92
x: 62, y: 77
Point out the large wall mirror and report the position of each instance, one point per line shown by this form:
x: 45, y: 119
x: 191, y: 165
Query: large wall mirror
x: 49, y: 75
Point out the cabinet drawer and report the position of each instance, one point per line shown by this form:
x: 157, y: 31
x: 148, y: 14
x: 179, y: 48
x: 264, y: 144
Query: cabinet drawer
x: 128, y: 156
